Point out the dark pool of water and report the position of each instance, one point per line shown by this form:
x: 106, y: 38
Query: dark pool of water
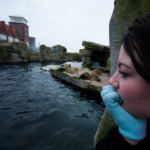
x: 39, y: 112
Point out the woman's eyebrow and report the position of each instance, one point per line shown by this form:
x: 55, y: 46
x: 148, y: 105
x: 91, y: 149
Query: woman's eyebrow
x: 122, y: 64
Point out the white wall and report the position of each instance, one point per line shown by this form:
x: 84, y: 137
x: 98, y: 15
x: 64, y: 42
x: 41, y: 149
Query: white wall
x: 16, y: 40
x: 10, y: 39
x: 3, y: 37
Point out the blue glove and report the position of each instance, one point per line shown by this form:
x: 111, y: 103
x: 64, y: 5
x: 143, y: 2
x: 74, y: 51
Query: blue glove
x: 129, y: 126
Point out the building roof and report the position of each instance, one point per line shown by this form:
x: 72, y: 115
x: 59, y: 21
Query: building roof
x: 13, y: 30
x: 18, y: 17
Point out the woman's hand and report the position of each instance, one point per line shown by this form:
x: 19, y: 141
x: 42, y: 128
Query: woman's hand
x: 129, y: 126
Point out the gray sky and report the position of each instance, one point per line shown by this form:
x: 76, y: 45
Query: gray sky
x: 64, y: 22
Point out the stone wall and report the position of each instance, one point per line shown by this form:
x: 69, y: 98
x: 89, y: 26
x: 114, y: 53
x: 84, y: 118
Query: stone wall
x: 13, y: 52
x: 73, y: 57
x: 19, y: 52
x: 124, y: 13
x: 49, y: 55
x: 34, y: 56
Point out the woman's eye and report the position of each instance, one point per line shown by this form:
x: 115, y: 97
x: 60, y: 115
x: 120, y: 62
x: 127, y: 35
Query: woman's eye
x: 123, y: 74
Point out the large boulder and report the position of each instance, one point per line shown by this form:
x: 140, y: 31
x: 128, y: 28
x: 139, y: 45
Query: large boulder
x: 21, y: 48
x: 34, y: 56
x: 73, y: 57
x: 13, y: 52
x: 85, y: 76
x: 86, y: 57
x: 45, y: 53
x: 55, y: 53
x: 5, y: 52
x: 95, y: 46
x: 59, y: 49
x: 56, y: 57
x: 94, y: 52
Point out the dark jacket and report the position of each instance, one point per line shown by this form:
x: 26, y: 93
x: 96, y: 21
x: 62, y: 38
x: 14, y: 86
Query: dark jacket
x: 115, y: 141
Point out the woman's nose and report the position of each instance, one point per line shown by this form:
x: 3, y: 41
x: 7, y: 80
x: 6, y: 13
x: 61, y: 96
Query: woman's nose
x: 114, y: 80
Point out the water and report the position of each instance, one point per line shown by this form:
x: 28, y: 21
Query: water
x: 39, y: 112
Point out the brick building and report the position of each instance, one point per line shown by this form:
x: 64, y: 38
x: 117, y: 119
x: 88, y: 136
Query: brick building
x: 17, y: 30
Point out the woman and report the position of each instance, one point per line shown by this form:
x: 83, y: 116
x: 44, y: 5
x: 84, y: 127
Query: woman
x: 127, y: 98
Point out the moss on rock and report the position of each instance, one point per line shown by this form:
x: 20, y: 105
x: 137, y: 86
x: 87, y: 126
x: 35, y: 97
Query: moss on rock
x: 72, y: 57
x: 94, y: 52
x: 13, y: 52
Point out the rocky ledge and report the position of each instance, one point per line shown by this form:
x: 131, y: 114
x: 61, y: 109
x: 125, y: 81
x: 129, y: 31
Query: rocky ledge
x: 19, y: 52
x: 94, y: 52
x: 84, y: 78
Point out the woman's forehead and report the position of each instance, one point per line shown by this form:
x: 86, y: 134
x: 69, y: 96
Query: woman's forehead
x: 124, y: 58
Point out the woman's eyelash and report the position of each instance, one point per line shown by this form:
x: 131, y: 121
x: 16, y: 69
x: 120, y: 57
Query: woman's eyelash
x: 123, y: 74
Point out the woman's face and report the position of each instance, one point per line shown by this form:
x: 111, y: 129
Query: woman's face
x: 133, y: 89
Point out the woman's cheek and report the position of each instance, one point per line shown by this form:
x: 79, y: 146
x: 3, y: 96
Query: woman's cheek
x: 129, y: 99
x: 126, y: 94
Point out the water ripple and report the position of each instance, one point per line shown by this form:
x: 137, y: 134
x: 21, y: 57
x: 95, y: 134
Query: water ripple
x: 39, y: 112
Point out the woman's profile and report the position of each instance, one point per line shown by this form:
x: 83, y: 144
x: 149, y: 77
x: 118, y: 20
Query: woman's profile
x: 127, y: 97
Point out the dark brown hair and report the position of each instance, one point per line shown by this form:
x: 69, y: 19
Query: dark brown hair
x: 137, y: 40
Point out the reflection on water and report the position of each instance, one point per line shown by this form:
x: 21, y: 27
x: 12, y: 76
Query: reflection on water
x: 39, y: 112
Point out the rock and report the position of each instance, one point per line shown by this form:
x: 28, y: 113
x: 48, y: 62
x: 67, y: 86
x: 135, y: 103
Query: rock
x: 34, y: 56
x: 108, y: 64
x: 85, y: 52
x: 15, y: 58
x: 98, y: 71
x: 98, y: 80
x: 92, y: 86
x: 13, y: 52
x: 62, y: 69
x: 45, y: 53
x: 73, y: 57
x: 124, y: 13
x: 95, y: 46
x: 94, y: 52
x: 21, y: 48
x: 71, y: 71
x: 94, y: 75
x: 55, y: 53
x: 59, y: 49
x: 86, y: 57
x: 5, y: 52
x: 56, y: 57
x: 19, y: 52
x: 107, y: 122
x: 85, y: 76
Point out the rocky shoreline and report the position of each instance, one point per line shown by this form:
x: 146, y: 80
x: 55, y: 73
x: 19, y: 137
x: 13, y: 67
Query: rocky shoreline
x: 83, y: 78
x: 19, y: 52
